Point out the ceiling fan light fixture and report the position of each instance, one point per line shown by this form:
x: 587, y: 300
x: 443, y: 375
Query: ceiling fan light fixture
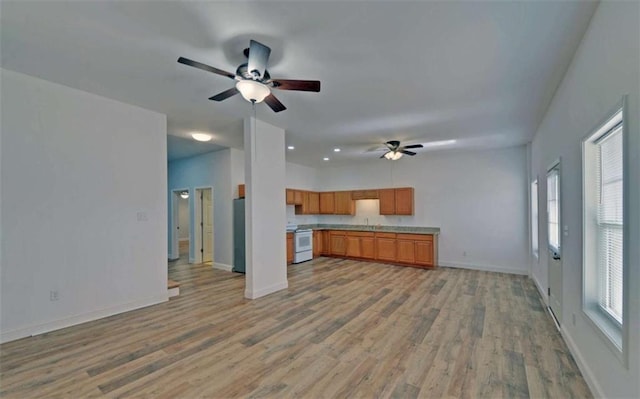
x: 393, y: 155
x: 253, y: 91
x: 184, y: 194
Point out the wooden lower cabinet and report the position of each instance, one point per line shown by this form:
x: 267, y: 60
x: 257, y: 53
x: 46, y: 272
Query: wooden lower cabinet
x: 368, y: 247
x: 317, y: 243
x: 289, y: 248
x: 418, y: 250
x: 353, y: 247
x: 406, y: 251
x: 338, y: 243
x: 424, y: 253
x: 386, y: 247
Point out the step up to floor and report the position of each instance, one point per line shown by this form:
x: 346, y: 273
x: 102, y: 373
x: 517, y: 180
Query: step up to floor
x: 174, y: 288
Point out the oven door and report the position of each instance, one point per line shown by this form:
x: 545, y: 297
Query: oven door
x: 303, y: 241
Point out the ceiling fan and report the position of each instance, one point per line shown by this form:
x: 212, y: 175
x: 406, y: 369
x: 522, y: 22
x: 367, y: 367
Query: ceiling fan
x: 396, y: 152
x: 253, y: 80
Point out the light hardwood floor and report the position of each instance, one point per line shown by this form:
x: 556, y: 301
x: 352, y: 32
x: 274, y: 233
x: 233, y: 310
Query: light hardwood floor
x: 342, y: 329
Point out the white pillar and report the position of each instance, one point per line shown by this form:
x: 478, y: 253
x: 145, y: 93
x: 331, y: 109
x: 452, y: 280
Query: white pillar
x: 265, y: 209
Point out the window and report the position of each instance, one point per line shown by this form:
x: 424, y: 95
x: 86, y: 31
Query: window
x: 552, y: 209
x: 603, y: 185
x: 534, y: 218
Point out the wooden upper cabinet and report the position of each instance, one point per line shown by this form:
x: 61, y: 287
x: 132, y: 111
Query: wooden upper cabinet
x: 404, y: 201
x: 327, y: 203
x: 297, y: 197
x: 396, y: 201
x: 387, y: 201
x: 290, y: 196
x: 240, y: 190
x: 364, y: 194
x: 343, y: 203
x: 314, y: 203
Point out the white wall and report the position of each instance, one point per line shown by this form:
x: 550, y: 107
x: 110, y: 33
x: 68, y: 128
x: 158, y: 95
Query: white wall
x: 83, y: 206
x: 212, y: 169
x: 477, y: 198
x: 605, y: 66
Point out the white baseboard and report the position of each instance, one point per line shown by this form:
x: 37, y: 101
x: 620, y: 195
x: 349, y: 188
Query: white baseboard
x: 486, y: 268
x: 36, y: 329
x: 591, y: 381
x: 543, y: 292
x: 266, y: 290
x: 183, y: 240
x: 175, y: 291
x: 192, y: 260
x: 171, y: 257
x: 221, y: 266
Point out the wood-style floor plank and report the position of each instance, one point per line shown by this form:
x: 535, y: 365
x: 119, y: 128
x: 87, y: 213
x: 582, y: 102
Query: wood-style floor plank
x: 343, y: 328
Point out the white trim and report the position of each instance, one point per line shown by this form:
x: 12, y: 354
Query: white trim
x: 486, y: 268
x: 192, y: 260
x: 587, y: 373
x: 266, y: 290
x: 171, y: 292
x: 183, y: 239
x: 221, y: 266
x: 36, y: 329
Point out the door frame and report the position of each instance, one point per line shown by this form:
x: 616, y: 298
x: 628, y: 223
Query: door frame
x: 197, y: 217
x: 174, y: 251
x: 556, y: 164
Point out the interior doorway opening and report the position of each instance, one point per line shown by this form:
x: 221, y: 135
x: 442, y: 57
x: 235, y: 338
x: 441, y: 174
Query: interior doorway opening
x: 180, y: 224
x: 203, y: 225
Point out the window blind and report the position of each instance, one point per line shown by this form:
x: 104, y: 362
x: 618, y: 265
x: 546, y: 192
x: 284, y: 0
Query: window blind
x: 552, y: 210
x: 609, y: 221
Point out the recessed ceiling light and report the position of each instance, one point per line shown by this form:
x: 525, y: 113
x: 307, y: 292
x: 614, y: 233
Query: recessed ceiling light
x: 336, y: 150
x: 291, y: 147
x: 325, y: 158
x: 201, y: 136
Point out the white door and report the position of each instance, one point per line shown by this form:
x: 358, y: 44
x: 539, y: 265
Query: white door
x: 207, y: 226
x: 554, y: 241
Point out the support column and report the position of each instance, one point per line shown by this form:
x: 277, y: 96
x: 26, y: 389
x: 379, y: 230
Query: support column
x: 265, y: 209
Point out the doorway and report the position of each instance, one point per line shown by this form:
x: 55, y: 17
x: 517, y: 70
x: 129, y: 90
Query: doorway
x: 554, y: 223
x: 203, y: 225
x: 180, y: 224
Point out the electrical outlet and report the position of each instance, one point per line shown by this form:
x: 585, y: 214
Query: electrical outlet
x: 54, y: 295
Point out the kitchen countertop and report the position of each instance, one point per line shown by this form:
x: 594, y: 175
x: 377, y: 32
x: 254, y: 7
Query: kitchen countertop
x: 382, y: 229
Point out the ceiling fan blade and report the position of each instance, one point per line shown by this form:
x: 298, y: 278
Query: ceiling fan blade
x: 408, y: 152
x: 258, y: 57
x: 393, y: 144
x: 225, y: 94
x: 274, y: 103
x: 205, y: 67
x: 414, y: 146
x: 299, y: 85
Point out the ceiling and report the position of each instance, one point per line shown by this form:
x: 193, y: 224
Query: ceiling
x: 480, y: 73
